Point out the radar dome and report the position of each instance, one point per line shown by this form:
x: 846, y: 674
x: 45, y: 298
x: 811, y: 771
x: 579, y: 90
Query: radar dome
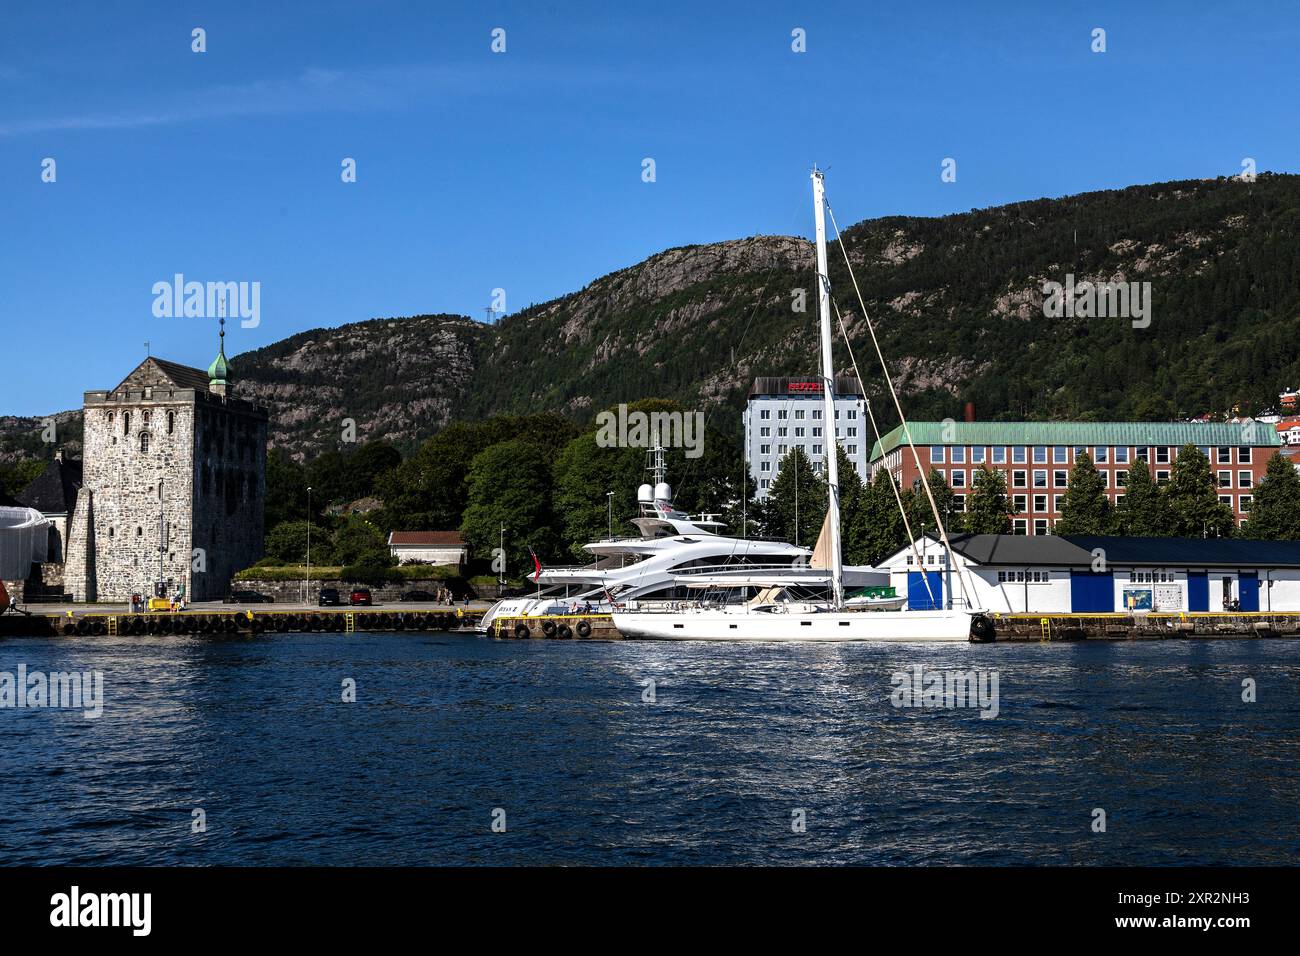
x: 663, y: 492
x: 644, y: 493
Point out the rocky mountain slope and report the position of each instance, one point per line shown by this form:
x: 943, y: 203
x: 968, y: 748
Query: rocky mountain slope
x: 958, y: 302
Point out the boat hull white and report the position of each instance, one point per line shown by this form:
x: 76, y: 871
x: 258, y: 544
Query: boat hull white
x: 903, y: 626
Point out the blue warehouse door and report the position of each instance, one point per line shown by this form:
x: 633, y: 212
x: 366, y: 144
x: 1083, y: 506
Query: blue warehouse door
x: 1198, y: 591
x: 918, y: 598
x: 1248, y: 589
x: 1091, y: 592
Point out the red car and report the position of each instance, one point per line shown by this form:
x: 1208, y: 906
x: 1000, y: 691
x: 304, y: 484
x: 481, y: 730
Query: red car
x: 360, y: 596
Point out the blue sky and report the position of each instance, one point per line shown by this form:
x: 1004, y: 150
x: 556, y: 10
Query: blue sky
x: 522, y: 170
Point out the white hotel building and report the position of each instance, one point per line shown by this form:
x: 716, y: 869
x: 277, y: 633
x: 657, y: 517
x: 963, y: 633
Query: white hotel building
x: 782, y: 413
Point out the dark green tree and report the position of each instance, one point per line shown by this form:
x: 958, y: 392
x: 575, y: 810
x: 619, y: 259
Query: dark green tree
x: 852, y: 501
x: 584, y: 474
x: 795, y: 506
x: 366, y: 467
x: 286, y: 490
x: 327, y: 474
x: 1195, y: 510
x: 15, y: 477
x: 1275, y: 507
x: 878, y: 525
x: 1143, y: 511
x: 510, y: 484
x: 1086, y: 508
x: 988, y: 509
x: 429, y: 490
x: 288, y: 542
x: 357, y: 540
x: 918, y: 508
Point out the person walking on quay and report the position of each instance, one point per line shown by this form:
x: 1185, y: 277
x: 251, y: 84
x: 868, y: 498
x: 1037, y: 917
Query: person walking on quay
x: 10, y: 603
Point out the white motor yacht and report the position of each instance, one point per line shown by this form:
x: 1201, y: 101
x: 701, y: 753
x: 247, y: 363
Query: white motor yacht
x: 664, y: 565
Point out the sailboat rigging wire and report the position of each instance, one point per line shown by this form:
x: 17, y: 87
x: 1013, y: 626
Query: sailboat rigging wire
x: 907, y: 431
x: 687, y: 474
x: 898, y: 498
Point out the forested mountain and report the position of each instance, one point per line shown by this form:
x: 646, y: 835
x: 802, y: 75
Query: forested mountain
x: 958, y: 301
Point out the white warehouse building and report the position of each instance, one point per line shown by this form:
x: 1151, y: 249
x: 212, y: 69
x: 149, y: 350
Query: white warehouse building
x: 784, y: 413
x: 1081, y: 574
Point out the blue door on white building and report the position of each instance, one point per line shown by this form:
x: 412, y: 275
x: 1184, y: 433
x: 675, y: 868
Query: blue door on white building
x: 1092, y: 592
x: 918, y: 598
x: 1198, y: 591
x: 1248, y: 590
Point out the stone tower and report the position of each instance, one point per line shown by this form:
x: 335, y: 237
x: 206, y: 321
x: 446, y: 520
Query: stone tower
x: 174, y: 485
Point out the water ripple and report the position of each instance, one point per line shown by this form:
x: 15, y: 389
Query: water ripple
x: 738, y: 745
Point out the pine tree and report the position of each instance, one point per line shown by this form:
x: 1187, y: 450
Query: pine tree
x: 1195, y: 510
x: 878, y: 525
x: 1143, y: 511
x: 1275, y: 507
x: 988, y: 509
x: 1085, y: 509
x: 852, y: 500
x: 796, y: 490
x: 918, y: 506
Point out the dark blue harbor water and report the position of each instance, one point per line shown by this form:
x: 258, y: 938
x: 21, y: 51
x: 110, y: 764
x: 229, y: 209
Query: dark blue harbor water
x: 447, y: 728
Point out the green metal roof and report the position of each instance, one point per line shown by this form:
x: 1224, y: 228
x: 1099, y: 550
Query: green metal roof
x: 1135, y: 434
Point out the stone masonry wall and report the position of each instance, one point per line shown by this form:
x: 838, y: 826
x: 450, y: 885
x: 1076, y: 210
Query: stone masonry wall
x: 132, y: 444
x: 229, y: 482
x: 290, y: 592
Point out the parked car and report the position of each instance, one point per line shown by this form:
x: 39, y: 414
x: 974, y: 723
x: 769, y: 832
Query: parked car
x: 360, y: 596
x: 249, y: 597
x: 328, y: 597
x: 418, y: 596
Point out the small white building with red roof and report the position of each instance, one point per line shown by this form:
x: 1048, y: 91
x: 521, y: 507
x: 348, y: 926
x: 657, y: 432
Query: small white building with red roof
x: 445, y: 548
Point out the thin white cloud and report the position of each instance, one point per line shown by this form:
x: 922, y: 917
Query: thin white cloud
x: 312, y: 90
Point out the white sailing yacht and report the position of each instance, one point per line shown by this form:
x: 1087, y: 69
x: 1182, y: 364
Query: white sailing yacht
x: 774, y: 613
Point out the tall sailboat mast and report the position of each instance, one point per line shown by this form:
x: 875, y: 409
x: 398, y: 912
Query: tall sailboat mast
x: 832, y: 526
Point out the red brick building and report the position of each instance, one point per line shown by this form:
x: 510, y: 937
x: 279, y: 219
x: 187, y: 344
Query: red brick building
x: 1036, y: 458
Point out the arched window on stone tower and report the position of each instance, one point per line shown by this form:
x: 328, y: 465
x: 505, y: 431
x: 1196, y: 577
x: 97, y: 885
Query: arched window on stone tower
x: 144, y: 443
x: 126, y: 423
x: 171, y: 422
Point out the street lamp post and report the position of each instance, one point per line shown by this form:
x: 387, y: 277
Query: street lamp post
x: 306, y: 584
x: 609, y: 497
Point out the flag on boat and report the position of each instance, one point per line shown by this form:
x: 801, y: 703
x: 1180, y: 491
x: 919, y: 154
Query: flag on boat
x: 537, y: 565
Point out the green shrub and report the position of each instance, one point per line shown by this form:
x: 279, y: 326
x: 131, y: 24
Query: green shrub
x: 369, y: 571
x: 291, y: 572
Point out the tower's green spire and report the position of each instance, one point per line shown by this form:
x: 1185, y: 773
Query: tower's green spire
x: 219, y: 370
